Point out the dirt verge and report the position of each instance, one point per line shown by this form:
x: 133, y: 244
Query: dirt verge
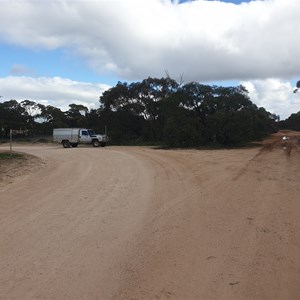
x: 22, y: 164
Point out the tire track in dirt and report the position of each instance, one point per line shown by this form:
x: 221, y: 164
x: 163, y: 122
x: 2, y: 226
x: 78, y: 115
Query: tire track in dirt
x: 63, y: 235
x: 139, y: 223
x: 233, y: 236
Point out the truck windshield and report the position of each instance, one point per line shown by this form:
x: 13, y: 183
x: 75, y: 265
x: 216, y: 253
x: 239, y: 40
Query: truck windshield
x: 91, y: 132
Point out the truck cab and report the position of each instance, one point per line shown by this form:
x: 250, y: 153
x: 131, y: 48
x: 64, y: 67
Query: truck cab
x: 84, y: 136
x: 88, y: 136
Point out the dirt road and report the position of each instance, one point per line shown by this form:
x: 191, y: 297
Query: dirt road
x: 139, y: 223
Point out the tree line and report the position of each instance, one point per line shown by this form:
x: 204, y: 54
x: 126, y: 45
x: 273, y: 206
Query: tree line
x: 156, y: 111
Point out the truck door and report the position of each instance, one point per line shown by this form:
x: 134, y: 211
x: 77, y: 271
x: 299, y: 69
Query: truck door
x: 84, y: 136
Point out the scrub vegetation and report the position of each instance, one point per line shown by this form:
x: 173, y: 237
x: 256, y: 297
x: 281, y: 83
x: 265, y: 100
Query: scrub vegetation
x: 155, y: 112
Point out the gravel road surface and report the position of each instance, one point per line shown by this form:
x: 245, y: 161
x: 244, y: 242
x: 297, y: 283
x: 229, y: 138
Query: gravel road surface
x: 142, y: 223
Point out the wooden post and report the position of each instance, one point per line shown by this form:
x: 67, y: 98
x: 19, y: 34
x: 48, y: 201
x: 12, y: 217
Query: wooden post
x: 10, y: 142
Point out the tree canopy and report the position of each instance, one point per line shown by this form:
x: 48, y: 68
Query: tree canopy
x: 154, y: 111
x: 188, y: 115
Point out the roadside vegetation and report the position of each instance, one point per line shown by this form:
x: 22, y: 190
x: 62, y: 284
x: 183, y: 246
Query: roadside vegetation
x: 154, y: 112
x: 8, y: 155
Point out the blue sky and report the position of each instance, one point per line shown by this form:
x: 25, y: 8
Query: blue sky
x: 231, y: 1
x: 65, y: 51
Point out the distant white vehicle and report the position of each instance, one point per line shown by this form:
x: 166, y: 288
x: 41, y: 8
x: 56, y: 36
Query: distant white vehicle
x: 285, y: 138
x: 71, y: 137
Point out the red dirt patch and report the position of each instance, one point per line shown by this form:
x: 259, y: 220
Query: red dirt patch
x: 277, y: 140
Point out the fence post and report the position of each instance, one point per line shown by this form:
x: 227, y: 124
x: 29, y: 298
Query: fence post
x: 10, y: 142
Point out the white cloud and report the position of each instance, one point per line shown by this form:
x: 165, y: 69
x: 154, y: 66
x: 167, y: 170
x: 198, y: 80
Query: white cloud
x: 204, y: 40
x: 275, y: 95
x: 58, y: 92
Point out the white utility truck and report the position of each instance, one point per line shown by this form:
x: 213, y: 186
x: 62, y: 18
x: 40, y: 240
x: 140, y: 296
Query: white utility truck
x: 71, y: 137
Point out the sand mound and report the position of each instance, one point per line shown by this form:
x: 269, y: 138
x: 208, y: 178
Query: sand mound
x: 12, y: 168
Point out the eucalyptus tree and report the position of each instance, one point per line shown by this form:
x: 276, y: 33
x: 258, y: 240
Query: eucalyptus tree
x: 144, y: 100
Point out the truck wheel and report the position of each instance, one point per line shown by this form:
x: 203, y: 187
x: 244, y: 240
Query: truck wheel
x: 96, y: 143
x: 102, y: 144
x: 74, y: 145
x: 66, y: 144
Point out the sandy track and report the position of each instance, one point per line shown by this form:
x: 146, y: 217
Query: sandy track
x: 138, y: 223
